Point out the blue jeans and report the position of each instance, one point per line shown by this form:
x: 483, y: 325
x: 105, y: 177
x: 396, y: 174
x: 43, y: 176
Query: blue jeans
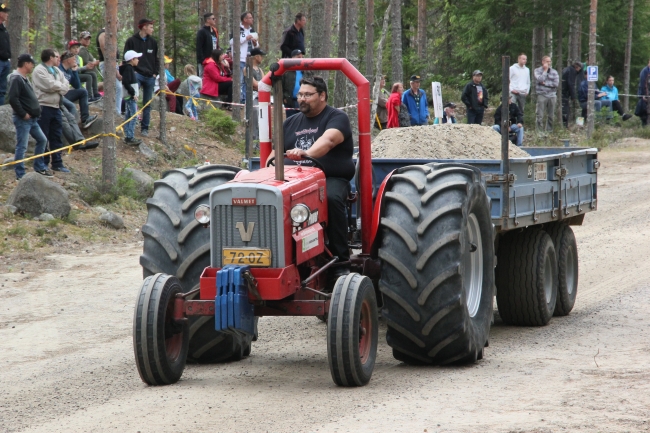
x: 118, y: 91
x: 513, y: 128
x: 146, y: 84
x: 130, y: 108
x: 52, y: 127
x: 81, y: 96
x: 25, y: 128
x: 5, y: 69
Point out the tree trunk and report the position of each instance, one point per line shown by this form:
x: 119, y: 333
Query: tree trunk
x: 396, y: 55
x: 548, y: 50
x: 162, y: 78
x: 628, y: 57
x: 203, y: 8
x: 109, y: 154
x: 339, y: 84
x: 378, y: 71
x: 559, y: 66
x: 139, y: 12
x: 353, y: 57
x: 422, y: 29
x: 236, y: 73
x: 67, y: 10
x: 261, y: 22
x: 15, y: 24
x: 538, y: 50
x: 74, y: 7
x: 34, y: 17
x: 370, y: 35
x: 592, y: 61
x: 321, y: 35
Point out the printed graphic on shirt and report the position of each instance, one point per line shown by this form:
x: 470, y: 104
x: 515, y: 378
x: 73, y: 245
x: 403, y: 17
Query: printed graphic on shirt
x: 479, y: 93
x: 214, y: 42
x: 304, y: 141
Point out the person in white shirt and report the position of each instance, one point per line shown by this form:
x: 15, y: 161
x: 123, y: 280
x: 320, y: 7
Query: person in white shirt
x: 248, y: 41
x: 520, y: 81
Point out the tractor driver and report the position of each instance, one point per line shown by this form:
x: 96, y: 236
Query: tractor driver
x: 324, y: 133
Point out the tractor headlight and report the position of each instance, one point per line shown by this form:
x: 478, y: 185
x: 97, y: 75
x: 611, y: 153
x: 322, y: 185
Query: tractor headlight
x: 299, y: 213
x: 202, y: 214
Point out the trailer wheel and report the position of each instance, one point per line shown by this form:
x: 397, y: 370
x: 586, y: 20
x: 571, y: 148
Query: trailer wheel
x: 526, y: 278
x: 352, y: 331
x: 175, y: 244
x: 437, y: 254
x: 567, y: 267
x: 160, y: 343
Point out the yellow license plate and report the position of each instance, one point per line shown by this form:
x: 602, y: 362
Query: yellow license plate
x: 246, y: 256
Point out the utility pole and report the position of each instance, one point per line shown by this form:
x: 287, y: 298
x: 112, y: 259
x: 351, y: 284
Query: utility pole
x: 592, y: 62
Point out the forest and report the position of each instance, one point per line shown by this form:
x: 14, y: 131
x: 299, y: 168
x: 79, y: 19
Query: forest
x: 441, y: 40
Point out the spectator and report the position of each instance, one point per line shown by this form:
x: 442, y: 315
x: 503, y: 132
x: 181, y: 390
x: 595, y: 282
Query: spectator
x: 644, y: 91
x: 382, y: 114
x: 569, y: 93
x: 612, y: 95
x: 87, y: 76
x: 5, y: 52
x: 26, y: 111
x: 118, y: 78
x: 147, y: 69
x: 49, y: 86
x: 293, y: 38
x: 217, y: 78
x: 475, y: 98
x: 71, y: 131
x: 248, y: 41
x: 515, y: 120
x: 207, y: 40
x: 393, y: 105
x: 172, y: 86
x: 520, y: 81
x: 546, y: 82
x: 257, y: 56
x: 291, y: 86
x: 190, y: 87
x: 131, y: 93
x: 599, y: 102
x: 68, y: 66
x: 448, y: 114
x: 416, y: 102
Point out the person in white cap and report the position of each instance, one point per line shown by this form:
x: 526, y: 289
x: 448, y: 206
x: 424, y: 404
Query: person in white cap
x: 130, y: 92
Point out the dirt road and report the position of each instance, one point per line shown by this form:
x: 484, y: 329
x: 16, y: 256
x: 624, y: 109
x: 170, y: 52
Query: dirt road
x: 67, y: 358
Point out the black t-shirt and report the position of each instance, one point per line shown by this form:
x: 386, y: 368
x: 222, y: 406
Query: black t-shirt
x: 302, y: 132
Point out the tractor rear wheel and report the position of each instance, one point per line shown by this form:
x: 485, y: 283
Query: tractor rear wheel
x: 352, y: 330
x: 176, y: 244
x: 437, y: 272
x: 566, y: 250
x: 159, y: 342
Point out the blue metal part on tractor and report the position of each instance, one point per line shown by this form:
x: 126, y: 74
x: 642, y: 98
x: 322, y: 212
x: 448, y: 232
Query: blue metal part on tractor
x: 233, y: 311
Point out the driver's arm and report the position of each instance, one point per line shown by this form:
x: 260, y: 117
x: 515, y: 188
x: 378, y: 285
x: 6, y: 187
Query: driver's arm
x: 328, y: 141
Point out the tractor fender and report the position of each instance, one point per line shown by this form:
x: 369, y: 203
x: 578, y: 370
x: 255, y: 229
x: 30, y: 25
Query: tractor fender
x: 376, y: 216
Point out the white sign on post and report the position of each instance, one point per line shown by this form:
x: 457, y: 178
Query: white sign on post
x: 436, y: 91
x: 592, y: 73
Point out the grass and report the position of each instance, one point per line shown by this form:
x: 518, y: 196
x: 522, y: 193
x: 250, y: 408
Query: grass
x: 95, y: 192
x: 219, y: 122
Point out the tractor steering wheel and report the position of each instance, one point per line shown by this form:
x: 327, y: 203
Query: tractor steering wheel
x: 317, y: 164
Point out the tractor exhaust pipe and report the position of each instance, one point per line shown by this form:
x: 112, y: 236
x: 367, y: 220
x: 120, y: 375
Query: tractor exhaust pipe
x: 278, y: 133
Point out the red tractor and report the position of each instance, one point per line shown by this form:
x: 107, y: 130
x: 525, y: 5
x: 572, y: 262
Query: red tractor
x: 224, y: 246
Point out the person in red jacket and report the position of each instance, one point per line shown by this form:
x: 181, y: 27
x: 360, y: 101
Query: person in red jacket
x: 393, y: 105
x: 217, y: 77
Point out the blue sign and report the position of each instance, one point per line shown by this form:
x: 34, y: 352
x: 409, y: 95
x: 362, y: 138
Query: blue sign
x: 592, y: 73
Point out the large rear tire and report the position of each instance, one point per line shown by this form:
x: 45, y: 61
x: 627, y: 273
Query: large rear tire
x: 176, y: 244
x: 437, y: 273
x: 566, y: 250
x: 526, y: 278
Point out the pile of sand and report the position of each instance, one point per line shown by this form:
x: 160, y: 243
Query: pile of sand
x: 458, y: 141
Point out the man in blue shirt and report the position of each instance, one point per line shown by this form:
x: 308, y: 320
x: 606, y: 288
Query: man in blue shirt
x: 69, y: 68
x: 416, y: 102
x: 612, y: 95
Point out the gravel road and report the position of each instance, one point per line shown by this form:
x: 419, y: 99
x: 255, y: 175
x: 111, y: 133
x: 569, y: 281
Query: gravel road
x: 67, y: 364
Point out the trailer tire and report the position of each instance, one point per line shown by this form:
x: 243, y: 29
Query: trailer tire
x: 437, y: 270
x: 160, y: 344
x: 566, y: 249
x: 526, y: 278
x: 175, y: 244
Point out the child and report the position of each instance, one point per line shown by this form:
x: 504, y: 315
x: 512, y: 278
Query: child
x: 130, y: 91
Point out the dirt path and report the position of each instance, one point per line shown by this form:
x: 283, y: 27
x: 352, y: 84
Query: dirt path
x: 67, y: 364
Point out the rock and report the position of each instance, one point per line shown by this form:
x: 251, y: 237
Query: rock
x: 147, y: 151
x: 35, y: 195
x: 8, y: 132
x: 7, y: 160
x: 45, y: 217
x: 8, y: 208
x: 98, y: 127
x: 144, y: 182
x: 112, y: 219
x: 99, y: 209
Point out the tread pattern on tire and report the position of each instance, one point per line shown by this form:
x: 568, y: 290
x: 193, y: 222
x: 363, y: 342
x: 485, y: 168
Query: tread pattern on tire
x: 565, y: 243
x: 174, y: 243
x: 423, y: 238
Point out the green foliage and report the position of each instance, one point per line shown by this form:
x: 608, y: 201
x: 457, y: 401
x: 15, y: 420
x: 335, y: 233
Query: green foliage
x: 18, y: 231
x: 95, y: 192
x: 219, y: 122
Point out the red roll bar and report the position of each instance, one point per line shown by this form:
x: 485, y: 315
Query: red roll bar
x: 363, y: 110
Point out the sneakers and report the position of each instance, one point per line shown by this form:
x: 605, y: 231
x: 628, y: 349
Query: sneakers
x: 89, y: 145
x: 95, y: 99
x: 627, y: 116
x: 45, y: 172
x: 61, y: 169
x: 89, y: 121
x: 144, y: 133
x: 132, y: 141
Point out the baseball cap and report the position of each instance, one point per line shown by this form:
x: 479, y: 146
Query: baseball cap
x: 144, y: 21
x: 73, y: 43
x: 449, y: 105
x: 26, y: 58
x: 84, y: 35
x: 4, y: 8
x: 258, y: 52
x: 415, y: 78
x: 130, y: 55
x: 66, y: 55
x: 295, y: 52
x: 167, y: 59
x: 477, y: 72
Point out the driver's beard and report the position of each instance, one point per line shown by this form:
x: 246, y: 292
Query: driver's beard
x: 304, y: 108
